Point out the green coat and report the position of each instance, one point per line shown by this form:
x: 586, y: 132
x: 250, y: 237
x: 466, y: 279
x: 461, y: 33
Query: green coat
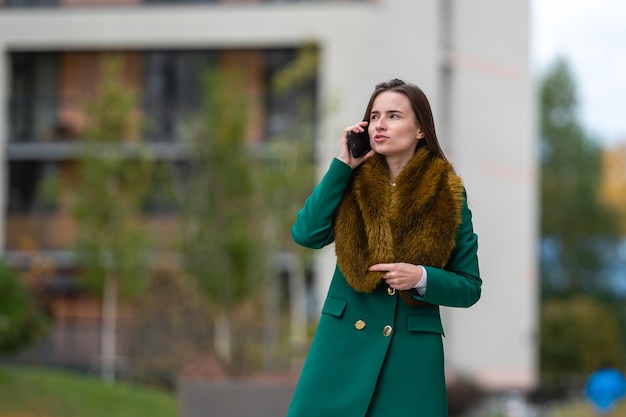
x: 372, y: 354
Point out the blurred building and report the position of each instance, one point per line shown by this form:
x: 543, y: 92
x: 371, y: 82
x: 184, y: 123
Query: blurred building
x: 471, y: 58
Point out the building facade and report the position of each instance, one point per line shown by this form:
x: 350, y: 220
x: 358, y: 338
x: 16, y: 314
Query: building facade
x: 471, y: 59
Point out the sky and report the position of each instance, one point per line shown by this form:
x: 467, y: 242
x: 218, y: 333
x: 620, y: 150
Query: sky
x: 591, y: 35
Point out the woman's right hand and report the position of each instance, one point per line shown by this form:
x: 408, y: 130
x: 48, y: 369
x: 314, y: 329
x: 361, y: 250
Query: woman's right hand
x: 344, y: 154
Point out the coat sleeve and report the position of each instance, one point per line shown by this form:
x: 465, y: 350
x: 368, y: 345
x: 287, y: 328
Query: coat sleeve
x: 313, y: 227
x: 458, y: 284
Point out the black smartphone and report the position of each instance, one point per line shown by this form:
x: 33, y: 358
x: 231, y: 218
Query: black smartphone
x: 359, y: 143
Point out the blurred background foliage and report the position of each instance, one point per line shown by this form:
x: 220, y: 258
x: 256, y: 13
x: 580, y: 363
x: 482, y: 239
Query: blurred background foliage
x: 582, y: 318
x: 236, y: 211
x: 113, y: 177
x: 21, y: 319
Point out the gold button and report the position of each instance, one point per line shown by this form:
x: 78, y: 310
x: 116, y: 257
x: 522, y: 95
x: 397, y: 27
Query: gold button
x: 360, y: 325
x: 387, y: 330
x: 391, y: 291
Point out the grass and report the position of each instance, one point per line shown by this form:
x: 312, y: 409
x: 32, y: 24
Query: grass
x: 38, y: 392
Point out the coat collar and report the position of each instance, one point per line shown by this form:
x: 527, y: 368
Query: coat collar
x: 414, y: 221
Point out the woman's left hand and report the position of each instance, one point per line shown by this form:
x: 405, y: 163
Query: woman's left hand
x: 399, y: 276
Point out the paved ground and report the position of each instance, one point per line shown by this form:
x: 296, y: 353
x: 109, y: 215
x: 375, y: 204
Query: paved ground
x: 235, y: 397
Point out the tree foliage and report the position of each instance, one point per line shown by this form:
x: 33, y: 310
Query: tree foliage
x: 579, y: 335
x: 576, y: 228
x: 240, y: 198
x: 20, y: 319
x: 220, y: 231
x: 113, y: 181
x: 580, y: 324
x: 285, y: 174
x: 287, y: 164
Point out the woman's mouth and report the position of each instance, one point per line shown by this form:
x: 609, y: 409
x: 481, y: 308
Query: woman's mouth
x: 380, y: 138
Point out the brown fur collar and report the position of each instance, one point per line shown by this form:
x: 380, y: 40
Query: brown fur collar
x: 416, y: 221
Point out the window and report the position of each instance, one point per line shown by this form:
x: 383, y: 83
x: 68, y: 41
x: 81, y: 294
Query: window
x: 33, y: 103
x: 172, y: 91
x: 33, y: 186
x: 49, y: 91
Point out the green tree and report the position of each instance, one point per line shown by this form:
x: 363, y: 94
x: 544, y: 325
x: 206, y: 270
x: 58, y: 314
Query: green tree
x: 288, y: 165
x: 576, y: 228
x: 114, y: 177
x: 221, y: 232
x: 577, y: 234
x: 21, y: 321
x: 285, y: 175
x: 579, y: 335
x: 240, y: 199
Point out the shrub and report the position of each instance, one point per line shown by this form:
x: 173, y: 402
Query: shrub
x: 21, y: 321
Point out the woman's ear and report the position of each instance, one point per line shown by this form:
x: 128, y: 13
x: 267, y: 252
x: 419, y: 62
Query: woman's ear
x: 420, y: 134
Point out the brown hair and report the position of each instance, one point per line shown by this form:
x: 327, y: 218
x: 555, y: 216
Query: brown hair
x: 421, y: 109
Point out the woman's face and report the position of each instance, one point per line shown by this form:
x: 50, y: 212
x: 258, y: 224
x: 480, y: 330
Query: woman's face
x: 392, y: 126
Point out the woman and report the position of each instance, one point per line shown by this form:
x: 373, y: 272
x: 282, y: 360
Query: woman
x: 405, y: 245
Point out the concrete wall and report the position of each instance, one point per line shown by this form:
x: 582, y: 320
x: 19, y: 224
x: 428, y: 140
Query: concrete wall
x: 493, y: 143
x: 472, y: 60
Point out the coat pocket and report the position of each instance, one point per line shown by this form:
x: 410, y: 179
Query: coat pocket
x: 425, y: 323
x: 334, y: 306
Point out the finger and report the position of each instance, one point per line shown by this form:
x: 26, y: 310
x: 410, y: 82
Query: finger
x: 359, y: 127
x: 380, y: 267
